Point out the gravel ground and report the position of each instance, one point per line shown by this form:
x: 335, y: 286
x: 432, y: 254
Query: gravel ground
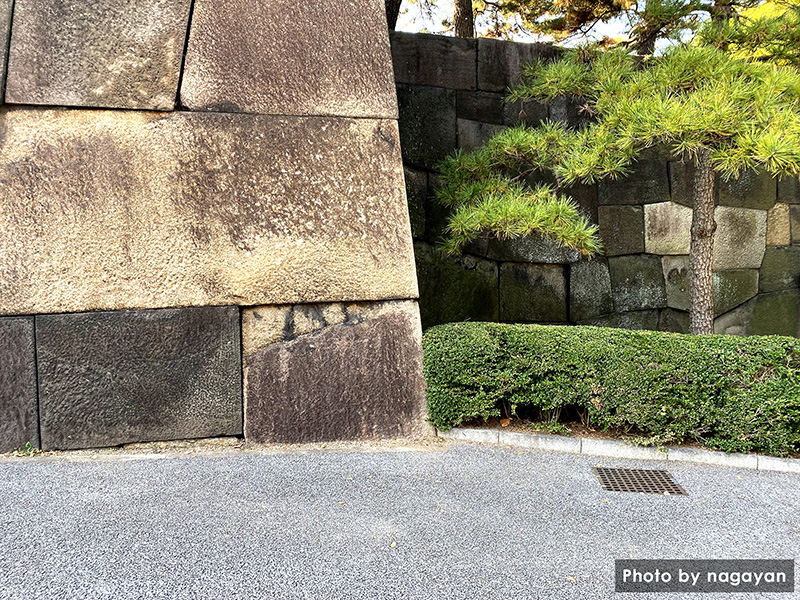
x: 407, y: 520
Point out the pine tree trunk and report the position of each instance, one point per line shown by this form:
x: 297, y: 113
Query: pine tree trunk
x: 392, y: 11
x: 463, y: 19
x: 701, y: 298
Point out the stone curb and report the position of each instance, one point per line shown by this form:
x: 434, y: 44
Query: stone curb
x: 618, y: 449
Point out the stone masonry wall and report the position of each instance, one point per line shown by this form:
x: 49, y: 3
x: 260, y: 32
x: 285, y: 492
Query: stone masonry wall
x: 172, y: 171
x: 451, y: 95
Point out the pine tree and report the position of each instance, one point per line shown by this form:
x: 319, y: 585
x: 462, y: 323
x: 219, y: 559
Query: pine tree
x: 721, y: 113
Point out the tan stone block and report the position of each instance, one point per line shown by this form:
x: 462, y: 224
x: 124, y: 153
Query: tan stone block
x: 667, y: 228
x: 262, y: 326
x: 740, y: 239
x: 290, y: 58
x: 778, y: 230
x: 112, y: 210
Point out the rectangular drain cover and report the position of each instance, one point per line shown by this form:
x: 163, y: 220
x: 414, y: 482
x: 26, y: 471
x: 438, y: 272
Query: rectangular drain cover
x: 648, y: 481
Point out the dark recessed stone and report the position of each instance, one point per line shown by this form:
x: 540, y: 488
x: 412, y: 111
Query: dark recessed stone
x: 19, y: 416
x: 777, y: 313
x: 109, y: 378
x: 417, y: 195
x: 780, y: 269
x: 533, y: 293
x: 637, y: 283
x: 424, y: 59
x: 749, y: 190
x: 289, y: 58
x: 427, y: 124
x: 621, y: 229
x: 789, y: 190
x: 675, y: 321
x: 473, y: 134
x: 358, y: 380
x: 501, y: 63
x: 121, y: 54
x: 647, y: 183
x: 486, y: 107
x: 589, y: 290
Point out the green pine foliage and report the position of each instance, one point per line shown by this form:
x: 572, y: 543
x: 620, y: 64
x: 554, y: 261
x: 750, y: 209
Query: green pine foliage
x: 726, y: 392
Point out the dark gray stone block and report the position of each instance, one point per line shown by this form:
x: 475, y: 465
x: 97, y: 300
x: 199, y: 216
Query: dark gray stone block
x: 424, y: 59
x: 533, y: 293
x: 641, y: 319
x: 473, y: 134
x: 681, y: 182
x: 780, y: 269
x: 455, y: 289
x: 647, y: 183
x: 749, y: 190
x: 621, y: 229
x: 794, y: 224
x: 530, y: 113
x: 501, y: 63
x: 19, y: 413
x: 123, y: 54
x: 637, y: 283
x: 427, y: 124
x: 108, y: 378
x: 358, y: 380
x: 675, y: 321
x: 486, y: 107
x: 567, y: 110
x: 732, y: 288
x: 789, y: 190
x: 284, y: 57
x: 589, y: 290
x: 526, y: 249
x: 417, y: 194
x: 6, y: 7
x: 777, y: 313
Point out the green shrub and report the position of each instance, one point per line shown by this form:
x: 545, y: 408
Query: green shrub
x: 726, y: 392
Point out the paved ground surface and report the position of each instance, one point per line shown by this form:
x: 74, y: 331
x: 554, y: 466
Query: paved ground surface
x: 446, y: 521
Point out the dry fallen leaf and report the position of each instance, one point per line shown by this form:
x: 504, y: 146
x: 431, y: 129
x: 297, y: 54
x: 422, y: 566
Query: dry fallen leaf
x: 505, y: 422
x: 393, y: 545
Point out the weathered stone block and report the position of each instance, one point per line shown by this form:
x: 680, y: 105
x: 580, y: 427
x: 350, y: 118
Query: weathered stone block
x: 642, y: 319
x: 621, y: 229
x: 589, y: 290
x: 681, y: 182
x: 529, y: 248
x: 361, y: 379
x: 637, y: 283
x: 19, y: 412
x: 455, y: 289
x: 427, y: 124
x: 109, y: 210
x: 780, y: 269
x: 530, y: 113
x: 500, y: 63
x: 533, y: 293
x: 667, y: 228
x: 740, y: 239
x: 779, y: 231
x: 675, y: 321
x: 648, y: 183
x: 285, y: 58
x: 794, y: 220
x: 732, y: 288
x: 789, y: 190
x: 417, y: 195
x: 6, y: 7
x: 777, y: 313
x: 423, y: 59
x: 749, y: 190
x: 736, y: 322
x: 472, y: 134
x: 96, y: 53
x: 567, y: 110
x: 486, y: 107
x: 107, y: 378
x: 676, y: 278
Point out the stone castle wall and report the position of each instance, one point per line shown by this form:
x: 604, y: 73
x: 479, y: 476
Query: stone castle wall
x: 203, y: 226
x: 451, y: 95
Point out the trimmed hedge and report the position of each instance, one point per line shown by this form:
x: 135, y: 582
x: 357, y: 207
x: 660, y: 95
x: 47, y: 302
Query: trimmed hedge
x: 738, y: 394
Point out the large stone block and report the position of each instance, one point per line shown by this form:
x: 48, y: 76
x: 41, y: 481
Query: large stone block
x: 736, y: 322
x: 681, y: 182
x: 427, y: 124
x: 6, y: 7
x: 455, y: 289
x: 357, y: 379
x: 640, y: 319
x: 676, y: 279
x: 486, y: 107
x: 647, y: 183
x: 424, y: 59
x: 289, y: 58
x: 530, y: 249
x: 621, y: 229
x: 789, y: 190
x: 472, y: 134
x: 637, y: 283
x: 109, y: 210
x: 589, y: 290
x: 533, y: 293
x: 675, y: 321
x: 740, y: 239
x: 777, y: 313
x: 779, y: 231
x: 107, y: 378
x: 667, y: 228
x: 19, y: 412
x: 749, y: 190
x: 733, y: 288
x: 124, y: 54
x: 417, y: 195
x: 780, y: 270
x: 530, y: 113
x: 500, y: 63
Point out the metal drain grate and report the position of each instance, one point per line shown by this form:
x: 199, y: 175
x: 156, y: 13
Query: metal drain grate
x: 648, y: 481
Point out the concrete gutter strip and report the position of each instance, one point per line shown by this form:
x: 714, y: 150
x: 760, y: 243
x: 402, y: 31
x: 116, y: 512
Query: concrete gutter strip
x: 618, y: 449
